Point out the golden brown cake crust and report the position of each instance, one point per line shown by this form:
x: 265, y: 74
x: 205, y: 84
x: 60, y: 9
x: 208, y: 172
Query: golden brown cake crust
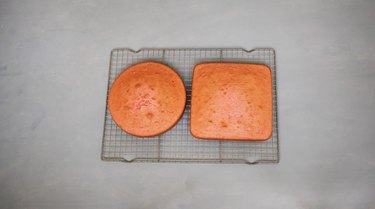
x: 231, y: 101
x: 147, y: 99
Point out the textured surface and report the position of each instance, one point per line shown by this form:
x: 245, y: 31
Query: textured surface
x: 53, y: 79
x: 147, y: 99
x: 178, y: 145
x: 231, y: 101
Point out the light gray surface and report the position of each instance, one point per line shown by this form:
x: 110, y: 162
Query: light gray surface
x: 53, y: 70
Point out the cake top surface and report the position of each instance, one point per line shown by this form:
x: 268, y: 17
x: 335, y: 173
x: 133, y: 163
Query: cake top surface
x: 147, y: 99
x: 231, y: 101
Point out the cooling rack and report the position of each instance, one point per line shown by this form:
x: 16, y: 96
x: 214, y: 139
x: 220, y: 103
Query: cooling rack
x: 178, y: 145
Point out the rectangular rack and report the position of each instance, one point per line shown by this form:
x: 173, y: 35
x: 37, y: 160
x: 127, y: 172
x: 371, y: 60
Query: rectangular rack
x: 178, y: 145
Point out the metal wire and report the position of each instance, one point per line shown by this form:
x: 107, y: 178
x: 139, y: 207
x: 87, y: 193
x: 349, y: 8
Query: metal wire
x: 177, y: 145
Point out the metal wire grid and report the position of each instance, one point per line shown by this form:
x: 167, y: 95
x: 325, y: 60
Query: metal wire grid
x: 177, y: 145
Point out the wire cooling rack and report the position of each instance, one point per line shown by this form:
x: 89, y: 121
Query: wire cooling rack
x: 178, y: 145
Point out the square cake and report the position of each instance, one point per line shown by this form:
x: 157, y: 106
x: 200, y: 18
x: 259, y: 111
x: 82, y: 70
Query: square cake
x: 231, y: 101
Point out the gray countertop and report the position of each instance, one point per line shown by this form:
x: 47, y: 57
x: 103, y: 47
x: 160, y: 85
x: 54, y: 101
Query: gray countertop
x: 54, y: 58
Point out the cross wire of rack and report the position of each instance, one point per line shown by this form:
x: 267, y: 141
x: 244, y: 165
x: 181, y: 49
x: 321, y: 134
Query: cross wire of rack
x: 178, y: 145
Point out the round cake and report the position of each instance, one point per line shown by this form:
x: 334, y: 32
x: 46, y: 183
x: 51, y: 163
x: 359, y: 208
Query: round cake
x: 147, y: 99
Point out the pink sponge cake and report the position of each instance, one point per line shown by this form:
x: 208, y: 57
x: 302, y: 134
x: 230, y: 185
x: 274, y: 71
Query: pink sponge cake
x: 231, y: 101
x: 147, y: 99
